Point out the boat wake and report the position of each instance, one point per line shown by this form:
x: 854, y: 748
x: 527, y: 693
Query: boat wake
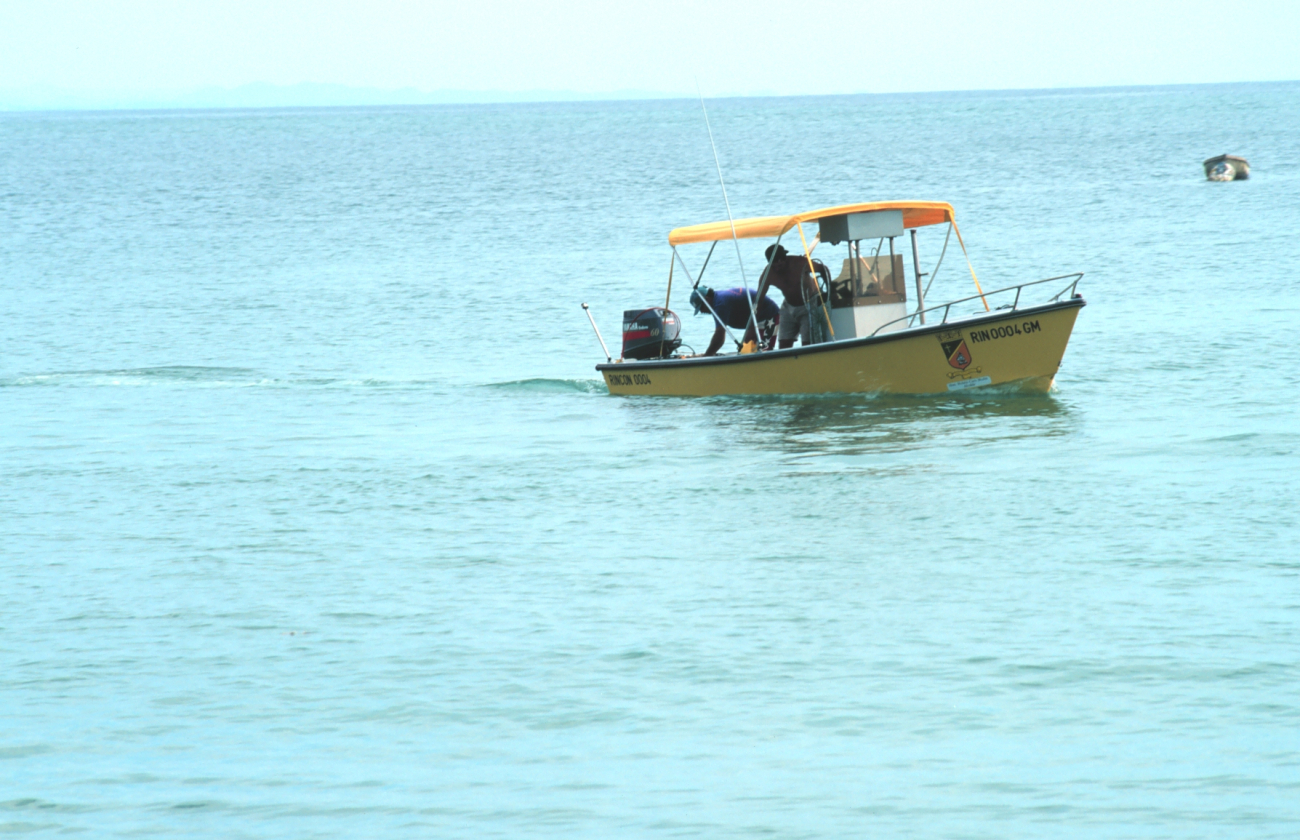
x: 552, y: 386
x: 195, y: 376
x: 168, y: 374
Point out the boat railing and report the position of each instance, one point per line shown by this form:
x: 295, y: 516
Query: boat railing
x: 1012, y: 307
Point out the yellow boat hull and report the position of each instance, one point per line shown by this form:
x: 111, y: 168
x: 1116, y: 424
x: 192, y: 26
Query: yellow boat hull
x: 1023, y: 348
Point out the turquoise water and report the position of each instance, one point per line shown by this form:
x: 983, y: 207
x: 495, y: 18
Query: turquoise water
x: 317, y: 522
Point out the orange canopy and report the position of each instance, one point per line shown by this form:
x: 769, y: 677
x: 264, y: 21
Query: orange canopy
x: 915, y: 214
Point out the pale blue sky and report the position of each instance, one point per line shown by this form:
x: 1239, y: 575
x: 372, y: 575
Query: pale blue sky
x: 132, y: 47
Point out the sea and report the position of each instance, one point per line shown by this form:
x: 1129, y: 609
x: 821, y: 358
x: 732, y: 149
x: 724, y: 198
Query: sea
x: 317, y: 521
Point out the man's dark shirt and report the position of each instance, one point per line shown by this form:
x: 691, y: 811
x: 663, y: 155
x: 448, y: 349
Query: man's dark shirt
x: 732, y: 307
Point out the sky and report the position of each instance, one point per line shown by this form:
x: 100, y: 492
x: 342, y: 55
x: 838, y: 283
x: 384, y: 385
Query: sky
x: 107, y: 52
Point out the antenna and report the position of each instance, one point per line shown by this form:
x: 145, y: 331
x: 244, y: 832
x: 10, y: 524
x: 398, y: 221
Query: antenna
x: 753, y: 312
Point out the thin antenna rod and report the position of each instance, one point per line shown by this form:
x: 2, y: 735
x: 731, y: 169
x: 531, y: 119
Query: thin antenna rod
x: 753, y: 311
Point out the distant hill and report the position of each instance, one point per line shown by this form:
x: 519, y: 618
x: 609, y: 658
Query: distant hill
x: 306, y: 94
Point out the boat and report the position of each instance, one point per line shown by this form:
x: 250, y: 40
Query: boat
x: 877, y: 342
x: 1226, y: 168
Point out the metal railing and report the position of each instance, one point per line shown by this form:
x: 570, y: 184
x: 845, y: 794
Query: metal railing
x: 1013, y: 306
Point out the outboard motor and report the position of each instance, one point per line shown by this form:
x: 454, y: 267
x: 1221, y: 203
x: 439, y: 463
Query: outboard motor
x: 650, y: 333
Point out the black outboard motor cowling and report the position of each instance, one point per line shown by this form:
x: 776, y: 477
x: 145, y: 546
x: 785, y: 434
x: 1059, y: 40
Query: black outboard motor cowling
x: 650, y: 333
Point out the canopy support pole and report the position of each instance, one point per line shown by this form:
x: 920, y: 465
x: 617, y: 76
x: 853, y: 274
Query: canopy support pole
x: 968, y: 265
x: 694, y: 284
x: 707, y: 257
x: 671, y: 265
x: 855, y: 269
x: 916, y: 269
x: 939, y: 264
x: 765, y: 279
x: 807, y: 255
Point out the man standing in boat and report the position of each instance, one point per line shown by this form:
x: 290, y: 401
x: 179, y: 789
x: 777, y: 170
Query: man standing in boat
x: 731, y: 307
x: 790, y: 275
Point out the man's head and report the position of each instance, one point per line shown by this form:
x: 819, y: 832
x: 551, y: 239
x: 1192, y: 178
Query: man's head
x: 778, y: 249
x: 699, y: 296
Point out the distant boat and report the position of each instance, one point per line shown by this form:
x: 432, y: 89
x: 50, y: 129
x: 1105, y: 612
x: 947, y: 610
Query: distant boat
x: 1227, y: 168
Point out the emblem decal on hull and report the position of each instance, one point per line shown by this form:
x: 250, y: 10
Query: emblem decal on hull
x: 955, y: 349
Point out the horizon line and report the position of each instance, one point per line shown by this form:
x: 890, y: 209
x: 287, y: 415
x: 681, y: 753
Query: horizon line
x: 208, y: 98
